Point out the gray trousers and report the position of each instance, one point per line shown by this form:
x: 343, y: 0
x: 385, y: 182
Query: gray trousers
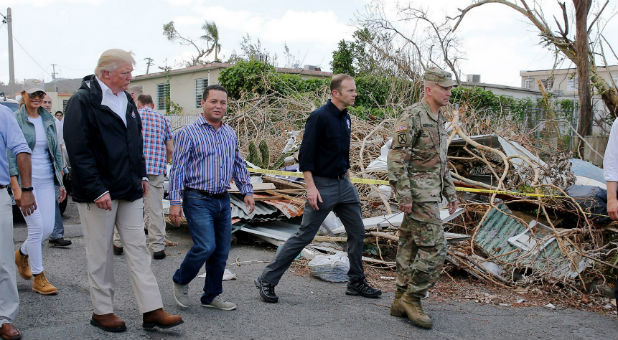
x: 9, y: 300
x: 341, y: 197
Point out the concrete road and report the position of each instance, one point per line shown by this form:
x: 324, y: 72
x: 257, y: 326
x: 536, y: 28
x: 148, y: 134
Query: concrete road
x: 308, y: 308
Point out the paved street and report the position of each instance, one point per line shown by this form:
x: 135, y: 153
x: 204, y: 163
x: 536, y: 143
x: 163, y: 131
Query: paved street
x: 308, y: 308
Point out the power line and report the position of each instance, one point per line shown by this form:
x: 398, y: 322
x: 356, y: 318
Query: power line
x: 28, y: 54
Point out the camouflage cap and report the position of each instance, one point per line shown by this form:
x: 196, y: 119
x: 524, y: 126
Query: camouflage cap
x: 439, y: 76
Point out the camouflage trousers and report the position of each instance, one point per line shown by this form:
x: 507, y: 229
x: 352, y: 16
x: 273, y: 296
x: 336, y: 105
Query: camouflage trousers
x: 422, y: 249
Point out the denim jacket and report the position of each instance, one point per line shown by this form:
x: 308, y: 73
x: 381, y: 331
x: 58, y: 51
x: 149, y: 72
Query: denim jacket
x: 52, y: 141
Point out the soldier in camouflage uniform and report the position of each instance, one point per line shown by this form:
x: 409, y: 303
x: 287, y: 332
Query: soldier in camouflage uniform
x: 419, y: 175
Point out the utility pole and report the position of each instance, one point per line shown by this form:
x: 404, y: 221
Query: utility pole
x: 54, y: 77
x: 9, y: 21
x: 148, y: 63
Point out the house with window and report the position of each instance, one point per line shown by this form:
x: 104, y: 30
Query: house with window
x: 563, y: 81
x: 185, y: 86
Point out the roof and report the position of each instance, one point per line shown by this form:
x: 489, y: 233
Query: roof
x: 215, y: 66
x: 566, y: 69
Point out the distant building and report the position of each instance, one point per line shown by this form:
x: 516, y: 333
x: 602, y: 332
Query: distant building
x: 186, y: 85
x: 562, y: 83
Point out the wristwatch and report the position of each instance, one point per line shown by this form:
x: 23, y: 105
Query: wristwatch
x: 27, y: 188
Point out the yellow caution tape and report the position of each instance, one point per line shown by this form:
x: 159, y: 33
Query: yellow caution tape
x: 378, y: 181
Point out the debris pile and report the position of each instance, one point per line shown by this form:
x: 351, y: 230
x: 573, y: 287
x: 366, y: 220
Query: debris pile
x: 524, y: 219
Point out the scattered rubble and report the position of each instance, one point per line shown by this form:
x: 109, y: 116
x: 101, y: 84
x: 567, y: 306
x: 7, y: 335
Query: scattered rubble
x: 526, y: 221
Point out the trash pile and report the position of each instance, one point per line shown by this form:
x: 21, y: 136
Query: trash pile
x: 522, y: 220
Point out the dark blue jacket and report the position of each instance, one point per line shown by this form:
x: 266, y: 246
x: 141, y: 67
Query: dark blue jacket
x: 325, y: 149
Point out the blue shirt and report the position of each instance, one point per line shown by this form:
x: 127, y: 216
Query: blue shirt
x: 206, y: 159
x: 11, y: 138
x: 325, y: 149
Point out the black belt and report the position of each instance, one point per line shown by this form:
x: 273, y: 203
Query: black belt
x: 2, y: 186
x: 208, y: 194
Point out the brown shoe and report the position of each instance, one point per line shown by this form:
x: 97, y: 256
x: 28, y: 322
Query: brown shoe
x: 396, y: 309
x: 9, y: 332
x: 108, y: 322
x: 42, y: 286
x: 161, y: 319
x: 23, y: 267
x: 412, y: 307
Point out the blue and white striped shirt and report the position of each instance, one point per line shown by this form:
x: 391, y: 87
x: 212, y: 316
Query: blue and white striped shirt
x: 206, y: 159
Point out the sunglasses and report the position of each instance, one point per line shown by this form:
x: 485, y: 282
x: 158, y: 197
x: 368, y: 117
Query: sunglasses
x: 38, y: 94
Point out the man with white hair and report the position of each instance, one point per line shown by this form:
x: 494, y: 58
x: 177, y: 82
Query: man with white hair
x: 104, y: 141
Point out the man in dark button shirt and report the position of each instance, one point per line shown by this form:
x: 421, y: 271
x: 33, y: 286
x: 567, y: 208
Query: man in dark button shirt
x: 324, y: 161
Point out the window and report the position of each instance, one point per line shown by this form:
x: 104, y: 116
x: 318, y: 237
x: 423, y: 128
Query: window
x: 548, y: 83
x: 200, y: 85
x: 572, y: 83
x: 528, y: 83
x: 163, y: 96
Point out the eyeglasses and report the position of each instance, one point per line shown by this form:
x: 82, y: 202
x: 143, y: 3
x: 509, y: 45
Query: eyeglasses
x: 38, y: 94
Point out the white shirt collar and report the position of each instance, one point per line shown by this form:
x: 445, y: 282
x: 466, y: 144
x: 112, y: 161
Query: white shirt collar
x: 116, y: 102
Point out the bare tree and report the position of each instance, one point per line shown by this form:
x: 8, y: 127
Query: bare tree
x: 575, y: 49
x: 430, y: 42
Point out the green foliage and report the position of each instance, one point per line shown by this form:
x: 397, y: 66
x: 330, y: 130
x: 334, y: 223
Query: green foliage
x: 259, y: 156
x: 265, y: 154
x: 246, y: 77
x: 343, y: 58
x: 253, y: 154
x: 173, y: 108
x: 486, y: 102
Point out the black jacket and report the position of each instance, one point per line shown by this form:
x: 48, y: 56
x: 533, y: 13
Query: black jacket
x: 325, y: 149
x: 105, y: 154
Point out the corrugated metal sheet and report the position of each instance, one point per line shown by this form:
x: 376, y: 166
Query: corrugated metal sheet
x: 493, y: 237
x: 288, y: 208
x: 239, y: 210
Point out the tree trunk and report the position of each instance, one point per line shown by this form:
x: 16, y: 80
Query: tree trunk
x: 584, y: 125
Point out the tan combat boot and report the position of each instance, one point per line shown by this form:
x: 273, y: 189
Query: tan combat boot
x: 411, y: 305
x: 23, y: 267
x: 396, y: 309
x: 42, y: 286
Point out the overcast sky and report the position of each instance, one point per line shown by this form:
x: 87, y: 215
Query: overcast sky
x: 497, y: 42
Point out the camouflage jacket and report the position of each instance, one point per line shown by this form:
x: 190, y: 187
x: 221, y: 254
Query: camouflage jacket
x: 417, y: 164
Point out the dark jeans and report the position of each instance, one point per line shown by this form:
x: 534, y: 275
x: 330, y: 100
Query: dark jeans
x: 210, y: 225
x: 58, y: 231
x: 341, y: 197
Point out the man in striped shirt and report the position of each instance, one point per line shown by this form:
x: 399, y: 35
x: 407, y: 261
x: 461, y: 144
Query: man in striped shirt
x: 206, y: 157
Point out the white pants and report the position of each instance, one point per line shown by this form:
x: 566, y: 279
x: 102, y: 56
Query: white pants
x: 9, y: 300
x: 40, y: 223
x: 98, y: 226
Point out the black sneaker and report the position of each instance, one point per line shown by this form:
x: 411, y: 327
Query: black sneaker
x: 267, y: 291
x: 159, y: 255
x: 363, y: 288
x: 60, y: 242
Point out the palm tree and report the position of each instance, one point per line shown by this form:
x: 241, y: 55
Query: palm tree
x: 212, y: 36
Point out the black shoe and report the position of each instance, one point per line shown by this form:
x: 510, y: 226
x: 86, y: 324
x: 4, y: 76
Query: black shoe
x: 60, y: 242
x: 267, y: 291
x: 118, y: 250
x: 158, y: 255
x: 363, y: 288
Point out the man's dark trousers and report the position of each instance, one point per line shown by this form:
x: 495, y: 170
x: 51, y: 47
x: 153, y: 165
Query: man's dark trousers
x: 340, y: 196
